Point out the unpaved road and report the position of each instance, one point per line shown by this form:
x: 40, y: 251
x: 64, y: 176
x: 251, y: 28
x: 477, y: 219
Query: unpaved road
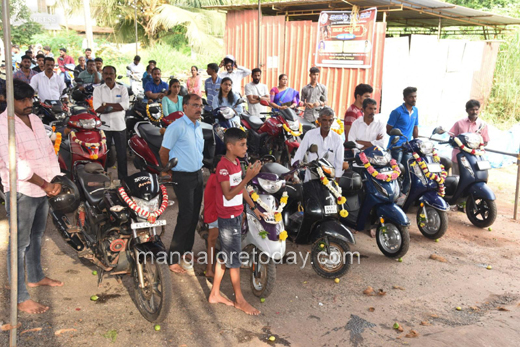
x: 304, y: 309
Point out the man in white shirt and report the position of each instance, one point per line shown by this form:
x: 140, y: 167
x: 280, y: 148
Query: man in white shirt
x: 256, y: 91
x: 135, y: 71
x: 236, y: 75
x: 330, y: 145
x: 114, y: 95
x: 367, y: 131
x: 48, y: 84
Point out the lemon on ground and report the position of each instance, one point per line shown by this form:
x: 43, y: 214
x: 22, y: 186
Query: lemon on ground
x: 272, y: 338
x: 157, y: 327
x: 396, y: 325
x: 94, y: 297
x: 458, y: 308
x: 94, y: 272
x: 262, y: 300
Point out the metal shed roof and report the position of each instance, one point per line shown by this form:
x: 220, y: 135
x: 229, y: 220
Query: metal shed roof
x: 399, y: 13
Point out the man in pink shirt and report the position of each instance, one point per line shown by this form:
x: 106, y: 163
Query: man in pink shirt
x: 471, y: 124
x: 63, y: 60
x: 37, y: 165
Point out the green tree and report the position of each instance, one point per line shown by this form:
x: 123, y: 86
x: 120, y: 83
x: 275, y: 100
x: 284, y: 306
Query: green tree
x: 19, y: 13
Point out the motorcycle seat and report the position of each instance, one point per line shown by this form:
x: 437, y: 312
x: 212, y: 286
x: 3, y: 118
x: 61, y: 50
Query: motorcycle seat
x: 151, y: 134
x: 92, y: 184
x: 447, y: 163
x: 306, y: 125
x: 74, y: 110
x: 274, y: 168
x: 350, y: 181
x: 254, y: 121
x: 451, y: 183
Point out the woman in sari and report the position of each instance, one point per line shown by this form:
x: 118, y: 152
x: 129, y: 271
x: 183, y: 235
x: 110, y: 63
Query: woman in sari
x: 194, y: 83
x: 283, y: 96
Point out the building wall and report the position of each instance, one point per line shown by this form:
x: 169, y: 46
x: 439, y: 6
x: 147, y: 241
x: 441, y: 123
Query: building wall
x: 289, y: 47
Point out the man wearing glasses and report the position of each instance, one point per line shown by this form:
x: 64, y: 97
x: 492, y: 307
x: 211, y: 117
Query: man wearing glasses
x: 183, y: 140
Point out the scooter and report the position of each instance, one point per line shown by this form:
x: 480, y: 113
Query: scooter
x: 311, y: 215
x: 427, y: 176
x: 225, y: 118
x: 372, y: 204
x: 470, y: 187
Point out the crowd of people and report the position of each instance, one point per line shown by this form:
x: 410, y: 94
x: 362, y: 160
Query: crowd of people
x: 225, y: 194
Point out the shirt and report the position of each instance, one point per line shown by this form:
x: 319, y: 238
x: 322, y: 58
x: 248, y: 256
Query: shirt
x: 87, y: 77
x: 211, y: 91
x: 48, y: 88
x: 154, y: 88
x: 62, y: 61
x: 78, y: 69
x: 37, y: 69
x: 146, y: 79
x: 169, y: 106
x: 332, y: 144
x: 114, y: 121
x: 135, y: 69
x: 259, y: 90
x: 20, y: 75
x: 236, y: 76
x: 238, y: 108
x: 360, y: 130
x: 401, y: 119
x: 35, y: 155
x: 312, y: 95
x: 466, y: 126
x: 353, y: 113
x: 185, y: 141
x: 210, y: 201
x: 232, y: 173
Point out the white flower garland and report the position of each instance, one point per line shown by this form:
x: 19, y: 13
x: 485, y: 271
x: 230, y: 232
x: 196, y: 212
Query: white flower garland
x: 256, y: 199
x: 480, y: 151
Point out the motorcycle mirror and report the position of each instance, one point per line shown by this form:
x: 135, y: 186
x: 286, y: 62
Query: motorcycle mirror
x: 322, y: 98
x: 350, y: 145
x: 119, y: 77
x: 171, y: 164
x: 395, y: 132
x: 172, y: 77
x: 438, y: 130
x: 395, y: 140
x: 128, y: 68
x: 313, y: 148
x: 241, y: 101
x: 163, y: 90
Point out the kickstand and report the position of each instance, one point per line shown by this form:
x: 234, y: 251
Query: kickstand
x: 101, y: 272
x: 119, y: 279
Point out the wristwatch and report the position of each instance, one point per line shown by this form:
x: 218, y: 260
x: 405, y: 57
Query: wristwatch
x: 252, y: 208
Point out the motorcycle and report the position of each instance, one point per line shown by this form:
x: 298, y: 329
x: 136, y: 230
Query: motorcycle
x: 471, y: 186
x: 114, y: 225
x: 49, y: 111
x: 426, y: 175
x: 311, y: 215
x: 225, y: 118
x: 372, y: 204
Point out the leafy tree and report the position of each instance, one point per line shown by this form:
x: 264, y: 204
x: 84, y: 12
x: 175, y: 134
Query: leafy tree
x: 20, y: 34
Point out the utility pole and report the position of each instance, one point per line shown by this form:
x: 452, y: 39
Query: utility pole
x: 88, y: 25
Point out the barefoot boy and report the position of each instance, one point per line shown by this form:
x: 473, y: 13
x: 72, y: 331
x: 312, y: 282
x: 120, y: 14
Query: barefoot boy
x: 230, y: 193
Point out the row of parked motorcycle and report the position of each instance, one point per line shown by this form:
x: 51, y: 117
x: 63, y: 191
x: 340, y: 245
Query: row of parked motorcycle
x: 117, y: 225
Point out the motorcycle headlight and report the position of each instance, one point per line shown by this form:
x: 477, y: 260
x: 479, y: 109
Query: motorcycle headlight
x: 271, y: 186
x: 150, y: 205
x: 426, y: 147
x: 294, y: 125
x: 87, y: 123
x: 380, y: 160
x: 329, y: 171
x: 473, y: 140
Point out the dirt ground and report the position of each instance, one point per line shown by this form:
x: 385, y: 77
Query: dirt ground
x: 304, y: 309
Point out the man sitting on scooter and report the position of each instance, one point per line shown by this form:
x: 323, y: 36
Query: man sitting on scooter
x: 471, y: 124
x: 329, y: 144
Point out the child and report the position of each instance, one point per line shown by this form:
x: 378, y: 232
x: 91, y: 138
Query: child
x: 211, y: 217
x: 230, y: 193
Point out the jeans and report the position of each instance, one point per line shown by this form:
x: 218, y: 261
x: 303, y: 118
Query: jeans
x: 188, y: 189
x: 230, y: 236
x: 403, y: 158
x: 120, y: 142
x: 32, y: 220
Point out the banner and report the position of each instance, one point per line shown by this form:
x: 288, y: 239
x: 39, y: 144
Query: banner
x: 346, y: 40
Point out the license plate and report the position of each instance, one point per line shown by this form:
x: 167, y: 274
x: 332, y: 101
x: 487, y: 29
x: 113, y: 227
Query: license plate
x: 331, y: 209
x: 434, y: 167
x: 143, y: 225
x: 483, y: 165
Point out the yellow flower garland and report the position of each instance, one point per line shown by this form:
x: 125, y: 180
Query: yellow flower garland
x: 293, y: 133
x: 341, y: 129
x: 150, y: 116
x: 283, y: 235
x: 340, y: 200
x: 277, y: 214
x: 57, y: 143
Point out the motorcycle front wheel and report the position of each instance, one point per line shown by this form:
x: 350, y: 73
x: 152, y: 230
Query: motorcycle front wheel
x: 481, y: 212
x: 434, y: 225
x: 330, y: 264
x: 262, y: 284
x: 154, y: 300
x: 393, y: 241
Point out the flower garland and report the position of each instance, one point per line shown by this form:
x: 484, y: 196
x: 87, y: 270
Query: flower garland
x: 293, y: 133
x: 93, y: 146
x: 341, y: 129
x: 150, y: 116
x: 340, y: 200
x: 277, y: 213
x: 434, y: 177
x: 387, y: 177
x: 480, y: 151
x: 57, y: 142
x: 150, y: 216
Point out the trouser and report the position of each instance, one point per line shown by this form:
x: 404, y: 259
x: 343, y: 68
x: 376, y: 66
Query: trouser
x: 119, y: 138
x: 188, y: 189
x: 32, y: 220
x: 403, y: 158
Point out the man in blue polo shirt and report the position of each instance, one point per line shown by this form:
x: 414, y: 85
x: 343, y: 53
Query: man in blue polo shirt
x: 406, y: 119
x: 183, y: 140
x: 156, y: 89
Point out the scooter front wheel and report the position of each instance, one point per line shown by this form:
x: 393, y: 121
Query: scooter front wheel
x: 332, y: 262
x: 263, y: 276
x: 481, y: 212
x: 434, y: 224
x: 393, y: 241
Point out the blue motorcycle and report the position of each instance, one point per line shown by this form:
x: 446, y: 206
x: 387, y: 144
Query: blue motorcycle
x: 372, y: 204
x: 425, y: 191
x: 471, y: 185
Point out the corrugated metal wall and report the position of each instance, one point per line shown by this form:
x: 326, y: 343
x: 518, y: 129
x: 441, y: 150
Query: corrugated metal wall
x: 291, y: 48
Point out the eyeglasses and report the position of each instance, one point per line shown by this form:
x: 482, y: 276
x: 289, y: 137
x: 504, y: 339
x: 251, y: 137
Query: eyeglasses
x: 196, y: 105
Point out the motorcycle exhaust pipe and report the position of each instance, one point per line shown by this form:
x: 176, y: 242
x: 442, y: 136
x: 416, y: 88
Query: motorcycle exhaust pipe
x: 61, y: 222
